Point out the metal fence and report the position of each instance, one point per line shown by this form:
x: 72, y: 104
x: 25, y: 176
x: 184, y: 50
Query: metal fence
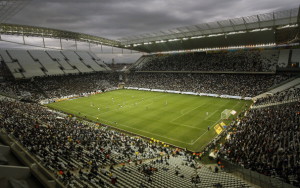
x: 254, y: 177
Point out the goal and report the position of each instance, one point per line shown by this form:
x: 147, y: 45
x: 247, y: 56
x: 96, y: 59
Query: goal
x: 225, y: 114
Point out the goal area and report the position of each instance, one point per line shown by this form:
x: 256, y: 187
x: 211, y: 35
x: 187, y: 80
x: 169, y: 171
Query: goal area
x: 225, y: 114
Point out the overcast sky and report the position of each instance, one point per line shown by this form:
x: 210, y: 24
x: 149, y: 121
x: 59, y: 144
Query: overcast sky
x: 115, y: 19
x: 118, y: 18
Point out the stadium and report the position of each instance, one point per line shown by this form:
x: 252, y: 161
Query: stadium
x: 210, y: 104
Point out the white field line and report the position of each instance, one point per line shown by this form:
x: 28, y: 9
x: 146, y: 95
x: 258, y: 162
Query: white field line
x: 210, y: 115
x: 182, y: 111
x: 184, y: 125
x: 143, y: 131
x: 213, y: 126
x: 210, y: 120
x: 159, y: 134
x: 186, y: 113
x: 236, y: 104
x: 181, y: 124
x: 113, y: 124
x: 132, y: 105
x: 192, y: 143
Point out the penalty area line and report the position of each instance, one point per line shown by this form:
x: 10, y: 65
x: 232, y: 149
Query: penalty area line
x: 205, y: 132
x: 131, y: 128
x: 143, y: 131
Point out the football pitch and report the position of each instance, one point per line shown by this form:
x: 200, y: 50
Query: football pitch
x: 180, y: 120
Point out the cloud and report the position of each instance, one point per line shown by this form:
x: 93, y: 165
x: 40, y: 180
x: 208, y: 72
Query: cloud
x: 118, y: 18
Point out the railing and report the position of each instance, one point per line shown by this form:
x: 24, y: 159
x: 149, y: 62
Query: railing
x: 284, y: 82
x: 254, y: 177
x: 43, y: 175
x: 296, y: 99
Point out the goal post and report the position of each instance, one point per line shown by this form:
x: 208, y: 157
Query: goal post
x: 225, y: 114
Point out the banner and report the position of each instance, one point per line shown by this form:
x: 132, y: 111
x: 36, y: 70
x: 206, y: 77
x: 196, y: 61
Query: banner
x: 218, y: 128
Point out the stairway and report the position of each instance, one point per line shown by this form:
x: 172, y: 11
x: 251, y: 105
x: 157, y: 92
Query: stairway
x: 285, y: 86
x: 275, y: 103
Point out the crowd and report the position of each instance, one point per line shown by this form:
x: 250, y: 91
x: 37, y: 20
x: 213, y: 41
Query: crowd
x: 82, y: 155
x: 285, y: 95
x: 239, y: 61
x: 76, y: 84
x: 58, y: 86
x: 247, y: 85
x: 64, y: 144
x: 267, y: 140
x: 20, y: 89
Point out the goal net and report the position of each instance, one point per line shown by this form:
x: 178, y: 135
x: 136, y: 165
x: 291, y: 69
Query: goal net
x: 225, y: 114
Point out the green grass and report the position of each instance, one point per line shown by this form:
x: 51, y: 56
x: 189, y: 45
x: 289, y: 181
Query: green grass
x: 177, y: 119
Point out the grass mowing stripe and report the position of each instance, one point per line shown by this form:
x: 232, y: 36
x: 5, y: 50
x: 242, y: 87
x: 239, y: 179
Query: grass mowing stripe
x: 174, y: 118
x: 147, y: 132
x: 187, y: 112
x: 205, y: 132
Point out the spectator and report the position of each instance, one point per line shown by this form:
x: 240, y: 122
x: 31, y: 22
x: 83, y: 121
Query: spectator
x: 236, y: 61
x: 229, y: 84
x: 267, y: 140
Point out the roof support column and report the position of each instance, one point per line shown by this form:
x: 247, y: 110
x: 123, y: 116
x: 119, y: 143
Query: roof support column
x: 44, y: 42
x: 258, y: 22
x: 60, y: 43
x: 23, y: 39
x: 245, y: 23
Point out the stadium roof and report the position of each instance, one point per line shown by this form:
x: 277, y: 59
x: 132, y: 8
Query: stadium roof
x: 25, y: 30
x: 9, y: 8
x: 249, y: 30
x: 255, y: 23
x: 259, y: 21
